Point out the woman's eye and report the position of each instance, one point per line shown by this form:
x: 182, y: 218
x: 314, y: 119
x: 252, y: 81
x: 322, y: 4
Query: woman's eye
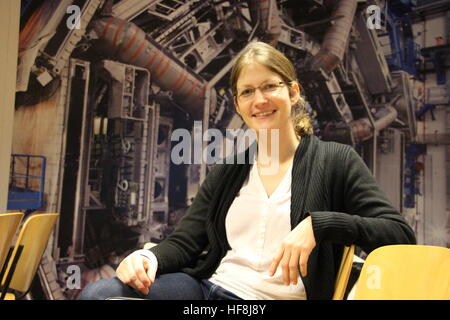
x: 270, y: 86
x: 246, y: 92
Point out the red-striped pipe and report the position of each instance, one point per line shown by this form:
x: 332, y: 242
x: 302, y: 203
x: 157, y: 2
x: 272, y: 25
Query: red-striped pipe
x: 131, y: 45
x: 269, y: 17
x: 335, y: 40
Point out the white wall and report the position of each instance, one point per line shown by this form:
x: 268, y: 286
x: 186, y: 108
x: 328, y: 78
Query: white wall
x: 9, y: 37
x: 389, y: 171
x: 432, y: 214
x: 427, y: 31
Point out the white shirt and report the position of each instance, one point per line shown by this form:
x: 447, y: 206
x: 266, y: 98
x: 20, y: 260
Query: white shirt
x: 256, y: 225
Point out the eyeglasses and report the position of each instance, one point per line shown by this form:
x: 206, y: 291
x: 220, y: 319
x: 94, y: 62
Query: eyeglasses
x: 267, y: 89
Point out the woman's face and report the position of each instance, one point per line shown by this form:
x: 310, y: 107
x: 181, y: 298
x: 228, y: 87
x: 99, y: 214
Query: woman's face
x: 269, y: 106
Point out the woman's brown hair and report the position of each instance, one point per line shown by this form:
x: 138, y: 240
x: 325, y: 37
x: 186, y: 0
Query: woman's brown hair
x: 277, y: 62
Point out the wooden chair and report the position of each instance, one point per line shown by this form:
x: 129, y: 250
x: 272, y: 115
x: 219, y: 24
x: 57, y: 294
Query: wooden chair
x: 26, y: 256
x: 344, y: 273
x: 9, y: 224
x: 405, y: 272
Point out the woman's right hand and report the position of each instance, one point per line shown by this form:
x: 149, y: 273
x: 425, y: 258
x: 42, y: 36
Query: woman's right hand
x: 138, y: 271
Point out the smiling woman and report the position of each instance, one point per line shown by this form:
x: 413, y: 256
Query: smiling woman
x: 264, y: 108
x: 255, y: 235
x: 266, y: 58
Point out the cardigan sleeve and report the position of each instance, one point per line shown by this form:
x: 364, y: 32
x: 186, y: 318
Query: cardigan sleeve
x: 189, y: 238
x: 369, y: 220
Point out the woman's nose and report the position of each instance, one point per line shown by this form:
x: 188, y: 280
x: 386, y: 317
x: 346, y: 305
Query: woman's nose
x: 259, y: 97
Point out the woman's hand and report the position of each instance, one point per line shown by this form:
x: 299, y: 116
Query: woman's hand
x: 295, y: 249
x: 138, y: 271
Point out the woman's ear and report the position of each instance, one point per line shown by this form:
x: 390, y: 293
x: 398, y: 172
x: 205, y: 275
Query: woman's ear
x: 294, y: 92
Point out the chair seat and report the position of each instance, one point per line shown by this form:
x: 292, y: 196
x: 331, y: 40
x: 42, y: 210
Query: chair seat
x: 405, y: 272
x: 10, y: 296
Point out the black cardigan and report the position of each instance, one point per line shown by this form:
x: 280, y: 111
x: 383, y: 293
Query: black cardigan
x: 330, y: 182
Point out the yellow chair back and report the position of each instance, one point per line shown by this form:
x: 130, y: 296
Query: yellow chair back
x: 9, y: 224
x: 33, y: 236
x: 344, y: 273
x: 405, y: 272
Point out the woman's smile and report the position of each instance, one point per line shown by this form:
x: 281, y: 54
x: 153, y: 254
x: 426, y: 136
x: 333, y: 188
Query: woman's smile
x: 264, y: 115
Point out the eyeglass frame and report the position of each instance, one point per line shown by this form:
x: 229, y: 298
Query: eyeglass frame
x: 279, y: 85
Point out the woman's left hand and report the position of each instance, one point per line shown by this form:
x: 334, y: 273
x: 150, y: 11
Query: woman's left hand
x: 295, y: 249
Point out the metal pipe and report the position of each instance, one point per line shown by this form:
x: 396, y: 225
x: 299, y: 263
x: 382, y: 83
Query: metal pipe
x: 333, y: 47
x: 385, y: 117
x: 363, y: 130
x: 266, y: 13
x: 131, y: 45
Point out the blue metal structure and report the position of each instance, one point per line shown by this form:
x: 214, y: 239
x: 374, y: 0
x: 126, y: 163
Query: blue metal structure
x: 404, y: 51
x: 402, y: 6
x: 428, y: 107
x: 437, y: 55
x: 21, y: 196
